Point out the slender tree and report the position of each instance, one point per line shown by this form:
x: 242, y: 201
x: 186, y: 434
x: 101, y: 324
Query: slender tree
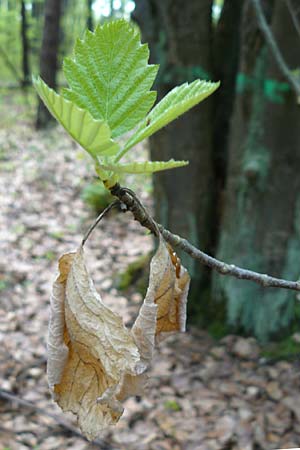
x: 25, y: 47
x: 48, y: 57
x: 89, y: 21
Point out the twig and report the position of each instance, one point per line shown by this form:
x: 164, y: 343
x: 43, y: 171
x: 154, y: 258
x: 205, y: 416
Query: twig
x: 227, y: 269
x: 140, y: 214
x: 293, y: 15
x: 99, y: 218
x: 13, y: 398
x: 274, y: 48
x: 129, y: 198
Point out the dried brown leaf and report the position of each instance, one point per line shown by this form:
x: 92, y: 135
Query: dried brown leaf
x: 162, y: 312
x: 171, y: 294
x: 57, y: 349
x: 94, y: 361
x: 90, y: 350
x: 143, y: 332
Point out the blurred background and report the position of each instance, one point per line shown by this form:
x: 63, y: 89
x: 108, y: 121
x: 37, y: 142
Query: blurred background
x: 232, y: 382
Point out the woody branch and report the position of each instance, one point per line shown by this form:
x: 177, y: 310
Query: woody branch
x: 133, y: 204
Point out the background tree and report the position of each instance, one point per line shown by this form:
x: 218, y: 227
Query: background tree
x: 181, y: 41
x: 49, y: 52
x: 260, y: 228
x: 243, y: 227
x: 25, y: 46
x: 89, y: 21
x: 188, y: 44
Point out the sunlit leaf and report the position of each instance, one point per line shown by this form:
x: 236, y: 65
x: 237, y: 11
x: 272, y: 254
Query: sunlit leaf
x: 110, y: 77
x: 173, y: 105
x: 93, y: 135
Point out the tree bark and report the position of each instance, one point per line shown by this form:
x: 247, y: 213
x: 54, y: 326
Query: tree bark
x: 260, y: 229
x: 48, y: 57
x: 226, y: 58
x: 187, y: 45
x: 181, y: 42
x: 25, y: 47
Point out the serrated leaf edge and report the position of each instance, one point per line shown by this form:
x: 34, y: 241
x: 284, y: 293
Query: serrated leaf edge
x: 144, y: 167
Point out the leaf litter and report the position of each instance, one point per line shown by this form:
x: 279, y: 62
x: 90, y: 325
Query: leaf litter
x: 201, y: 394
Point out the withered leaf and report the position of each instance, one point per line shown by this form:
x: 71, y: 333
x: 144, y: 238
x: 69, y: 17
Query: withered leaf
x: 94, y: 362
x: 57, y: 349
x: 170, y: 289
x: 143, y: 331
x: 90, y: 350
x: 162, y: 312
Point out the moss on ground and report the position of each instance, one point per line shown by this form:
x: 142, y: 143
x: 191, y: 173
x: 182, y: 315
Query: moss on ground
x: 287, y: 348
x: 136, y: 274
x: 172, y: 405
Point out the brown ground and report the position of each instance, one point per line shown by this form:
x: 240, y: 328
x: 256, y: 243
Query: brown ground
x: 203, y: 394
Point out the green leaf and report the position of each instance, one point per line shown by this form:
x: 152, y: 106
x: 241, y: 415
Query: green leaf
x: 173, y: 105
x: 110, y: 77
x: 144, y: 167
x: 93, y: 135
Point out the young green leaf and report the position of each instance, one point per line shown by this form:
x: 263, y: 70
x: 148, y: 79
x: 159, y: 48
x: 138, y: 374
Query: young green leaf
x: 110, y: 77
x: 144, y: 167
x: 93, y: 135
x: 173, y: 105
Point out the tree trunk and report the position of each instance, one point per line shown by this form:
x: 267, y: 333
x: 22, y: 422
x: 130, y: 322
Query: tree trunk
x: 181, y: 41
x: 48, y: 58
x: 226, y: 58
x: 25, y: 47
x: 89, y: 21
x: 187, y: 45
x: 261, y: 221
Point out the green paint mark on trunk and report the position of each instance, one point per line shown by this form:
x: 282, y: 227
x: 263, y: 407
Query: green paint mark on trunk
x: 273, y: 90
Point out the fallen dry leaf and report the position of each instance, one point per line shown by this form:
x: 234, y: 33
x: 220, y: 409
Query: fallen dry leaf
x: 89, y: 349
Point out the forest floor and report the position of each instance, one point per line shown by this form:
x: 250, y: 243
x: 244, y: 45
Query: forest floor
x: 203, y: 394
